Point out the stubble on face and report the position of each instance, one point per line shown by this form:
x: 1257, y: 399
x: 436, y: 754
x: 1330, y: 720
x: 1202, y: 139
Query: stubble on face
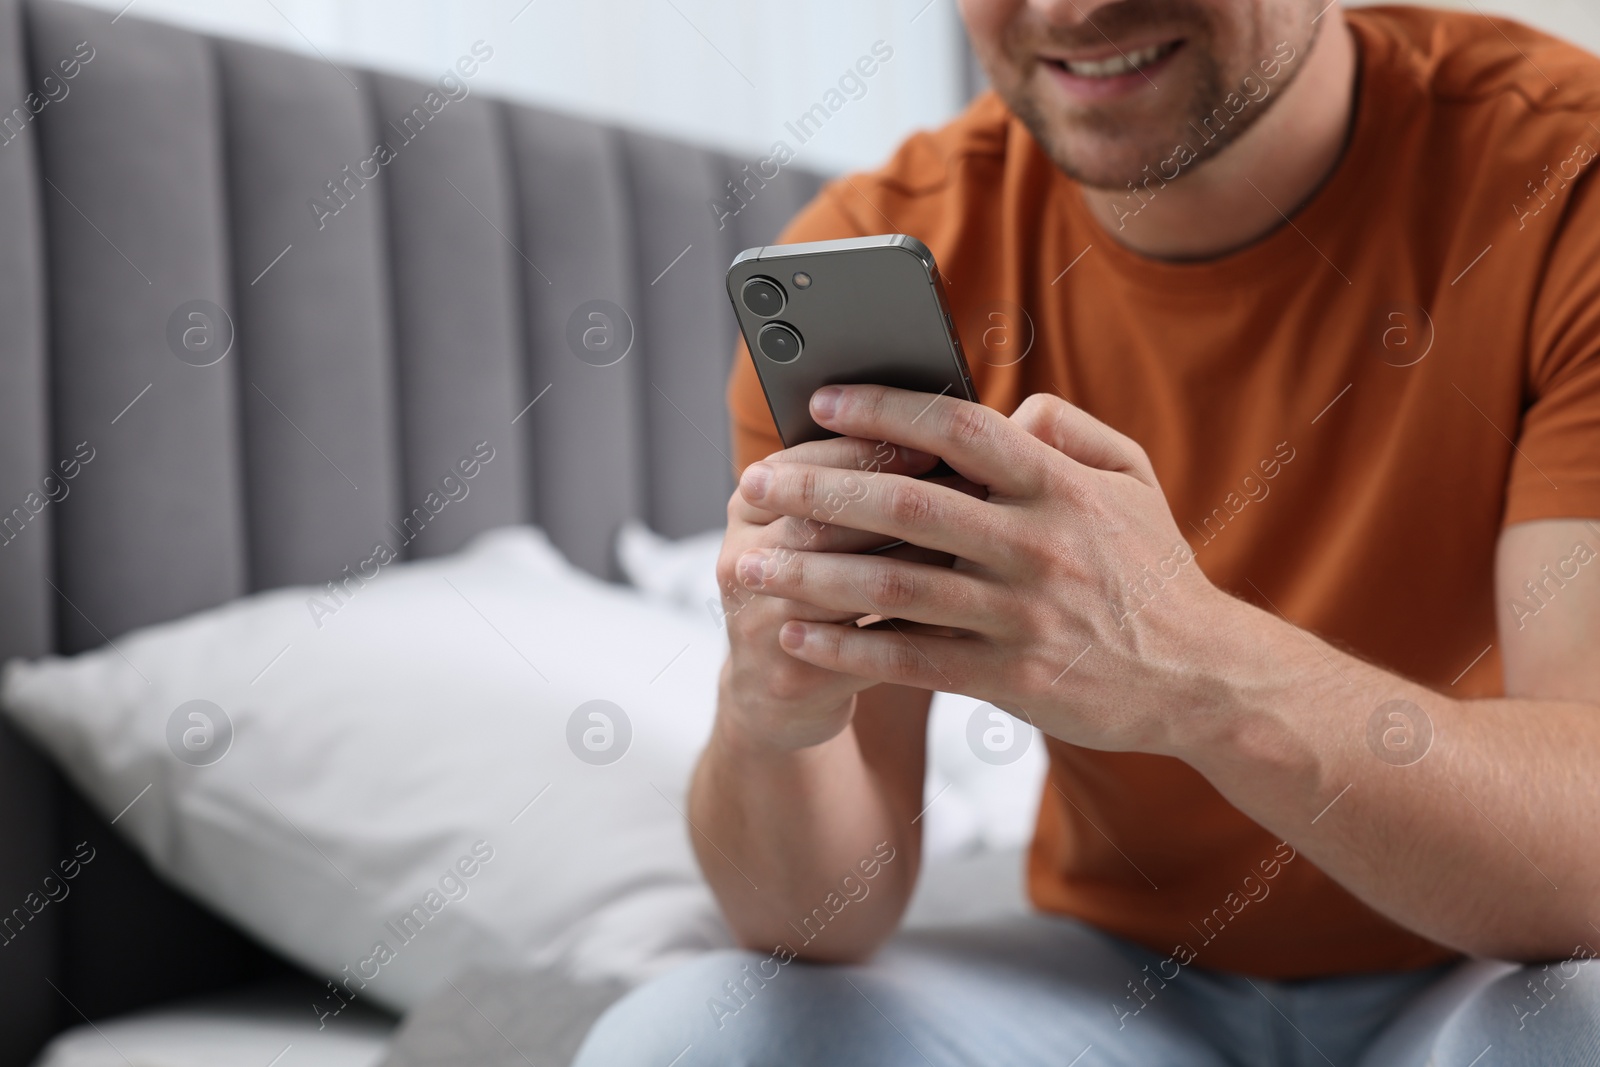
x: 1108, y: 144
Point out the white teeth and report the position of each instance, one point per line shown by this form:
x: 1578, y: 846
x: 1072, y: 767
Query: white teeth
x: 1118, y: 64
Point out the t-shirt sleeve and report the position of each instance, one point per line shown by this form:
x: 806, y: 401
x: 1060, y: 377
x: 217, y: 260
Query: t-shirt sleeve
x: 750, y: 419
x: 1557, y: 474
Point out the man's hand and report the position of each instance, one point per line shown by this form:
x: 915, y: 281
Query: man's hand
x: 808, y: 772
x: 778, y: 700
x: 1074, y: 601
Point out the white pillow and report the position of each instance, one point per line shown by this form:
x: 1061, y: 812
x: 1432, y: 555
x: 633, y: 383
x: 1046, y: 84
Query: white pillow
x: 388, y: 746
x: 253, y: 1027
x: 682, y: 573
x: 993, y: 802
x: 977, y: 799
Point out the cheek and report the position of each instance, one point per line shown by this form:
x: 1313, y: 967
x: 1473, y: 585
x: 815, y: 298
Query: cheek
x: 987, y: 21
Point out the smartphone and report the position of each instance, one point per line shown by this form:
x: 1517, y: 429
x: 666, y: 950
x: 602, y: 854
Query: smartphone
x: 864, y: 310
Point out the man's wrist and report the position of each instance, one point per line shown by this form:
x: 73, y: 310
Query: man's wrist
x: 733, y: 737
x: 733, y: 732
x: 1256, y: 678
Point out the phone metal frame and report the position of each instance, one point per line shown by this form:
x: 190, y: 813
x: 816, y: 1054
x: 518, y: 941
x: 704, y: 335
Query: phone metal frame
x: 874, y: 313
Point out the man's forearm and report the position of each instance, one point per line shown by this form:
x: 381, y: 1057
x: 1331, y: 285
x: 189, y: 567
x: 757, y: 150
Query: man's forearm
x: 1466, y: 845
x: 807, y: 849
x: 1473, y: 822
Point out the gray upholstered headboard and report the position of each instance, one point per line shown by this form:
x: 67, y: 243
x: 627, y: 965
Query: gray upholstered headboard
x: 387, y: 314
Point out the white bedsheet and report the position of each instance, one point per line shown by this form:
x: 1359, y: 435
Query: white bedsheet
x: 254, y: 1027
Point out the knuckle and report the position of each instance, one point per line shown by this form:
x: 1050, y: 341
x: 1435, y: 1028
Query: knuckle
x: 894, y: 587
x: 829, y: 645
x: 727, y: 562
x: 857, y: 453
x: 865, y: 404
x: 1141, y: 458
x: 1036, y: 408
x: 966, y: 424
x: 909, y: 504
x: 783, y: 568
x: 902, y: 662
x: 803, y: 483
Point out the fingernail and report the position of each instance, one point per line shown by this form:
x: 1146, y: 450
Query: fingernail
x: 756, y: 478
x: 825, y: 401
x: 753, y: 568
x: 793, y: 635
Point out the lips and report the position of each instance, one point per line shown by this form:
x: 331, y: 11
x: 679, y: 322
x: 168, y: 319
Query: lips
x: 1121, y: 73
x: 1117, y: 65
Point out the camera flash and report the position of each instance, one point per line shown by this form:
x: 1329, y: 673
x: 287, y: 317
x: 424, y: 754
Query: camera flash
x: 801, y: 280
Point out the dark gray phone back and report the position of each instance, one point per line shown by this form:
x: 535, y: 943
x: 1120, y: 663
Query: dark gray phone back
x: 872, y: 313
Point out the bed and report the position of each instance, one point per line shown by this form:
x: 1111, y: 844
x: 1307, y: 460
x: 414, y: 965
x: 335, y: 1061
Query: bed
x: 172, y: 203
x: 178, y: 168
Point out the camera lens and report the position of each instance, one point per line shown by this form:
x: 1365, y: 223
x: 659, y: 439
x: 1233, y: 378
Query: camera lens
x: 779, y: 342
x: 763, y: 297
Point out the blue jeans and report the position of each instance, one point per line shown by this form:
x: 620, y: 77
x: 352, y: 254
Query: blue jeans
x: 1041, y: 990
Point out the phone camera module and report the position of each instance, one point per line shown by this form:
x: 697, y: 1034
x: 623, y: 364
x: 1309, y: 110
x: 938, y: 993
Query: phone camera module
x: 763, y: 296
x: 779, y: 342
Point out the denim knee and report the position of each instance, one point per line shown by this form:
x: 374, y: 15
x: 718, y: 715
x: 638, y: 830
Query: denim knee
x: 654, y: 1023
x: 1544, y: 1014
x: 748, y: 1009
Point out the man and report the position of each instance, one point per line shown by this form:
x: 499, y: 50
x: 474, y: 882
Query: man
x: 1287, y: 543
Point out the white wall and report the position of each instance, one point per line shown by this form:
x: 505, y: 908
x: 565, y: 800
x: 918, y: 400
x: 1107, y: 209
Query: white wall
x: 728, y: 73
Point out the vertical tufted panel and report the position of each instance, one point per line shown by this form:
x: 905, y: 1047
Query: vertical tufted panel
x: 687, y: 331
x: 26, y: 618
x: 134, y: 208
x: 586, y: 428
x: 421, y: 308
x: 133, y: 196
x: 316, y: 388
x: 458, y: 334
x: 25, y: 524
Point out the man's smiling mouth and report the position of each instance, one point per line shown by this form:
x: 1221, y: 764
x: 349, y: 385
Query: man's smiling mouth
x: 1115, y: 66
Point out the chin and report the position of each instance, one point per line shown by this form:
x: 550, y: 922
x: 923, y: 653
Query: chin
x: 1099, y: 161
x: 1100, y: 150
x: 1109, y: 146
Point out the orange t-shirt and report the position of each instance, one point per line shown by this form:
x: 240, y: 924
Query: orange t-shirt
x: 1343, y: 416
